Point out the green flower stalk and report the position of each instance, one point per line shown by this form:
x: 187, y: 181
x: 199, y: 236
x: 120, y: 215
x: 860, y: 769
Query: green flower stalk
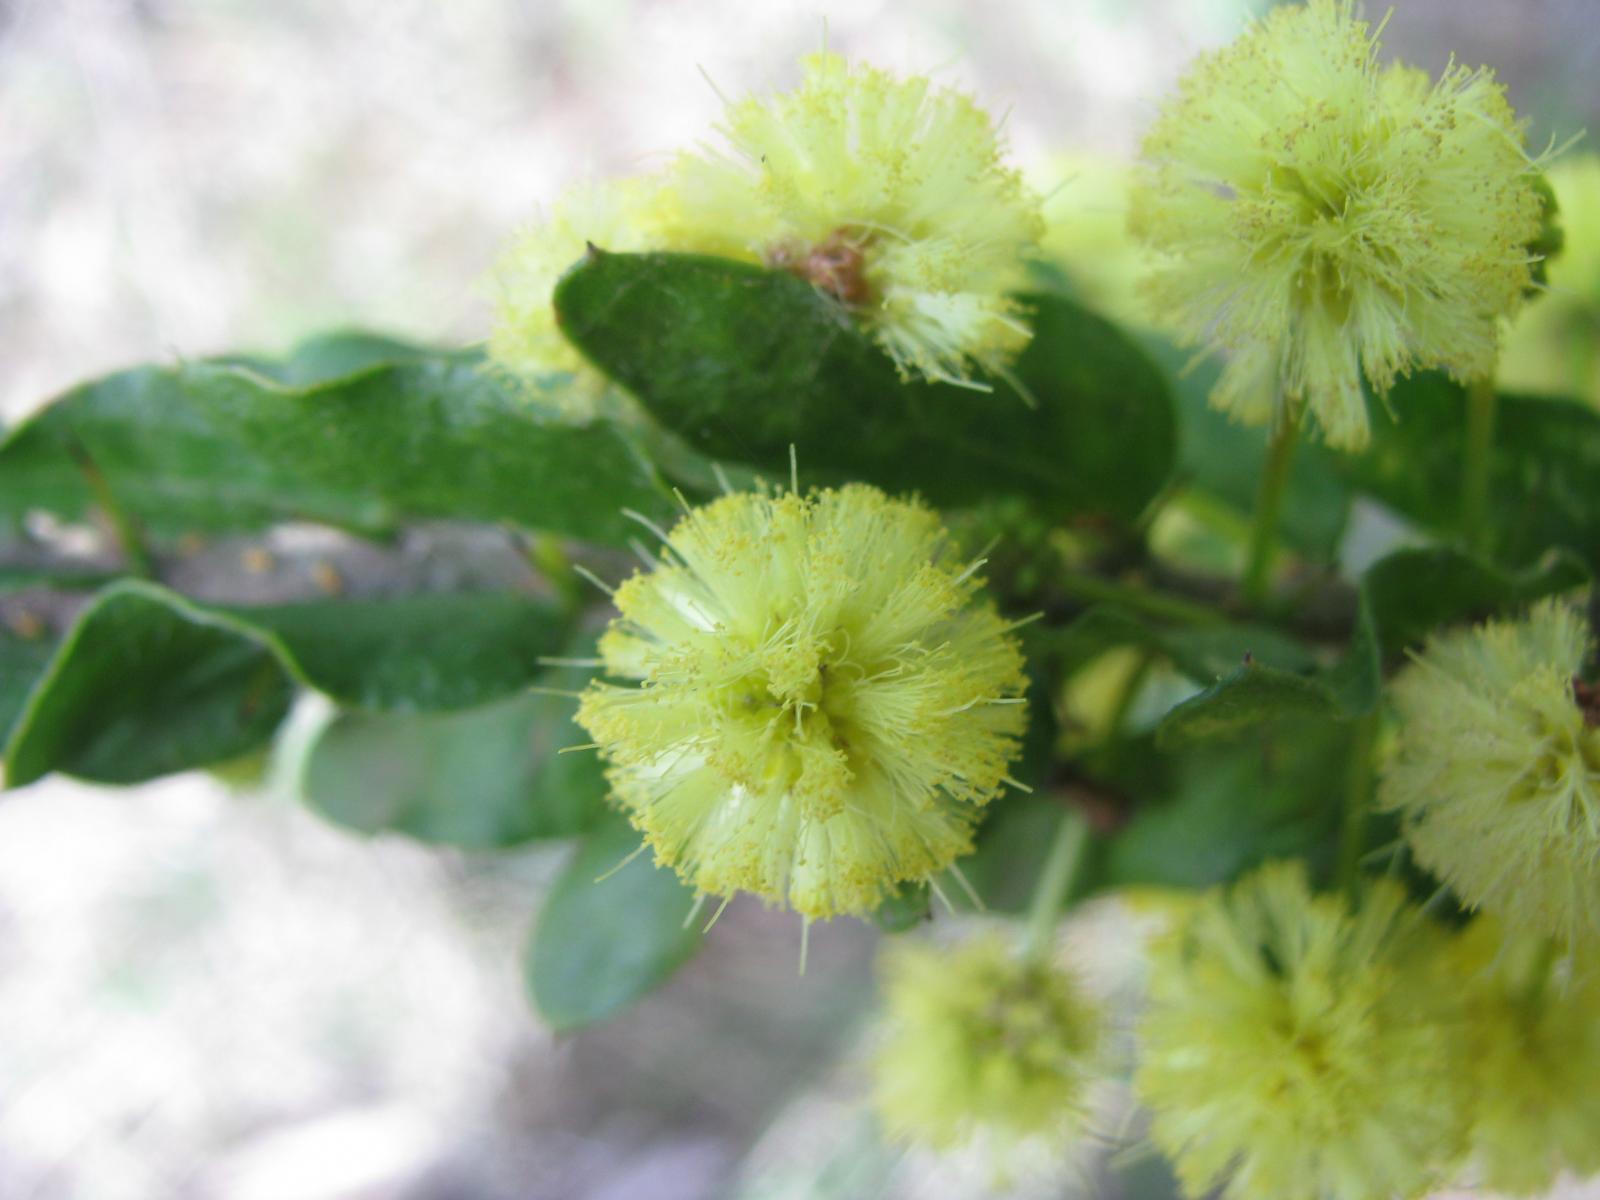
x: 1293, y: 1047
x: 1322, y: 219
x: 1496, y: 774
x: 982, y: 1041
x: 823, y: 703
x: 1533, y: 1056
x: 889, y: 195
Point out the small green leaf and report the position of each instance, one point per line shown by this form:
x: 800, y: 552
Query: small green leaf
x: 1544, y: 471
x: 143, y: 686
x: 214, y: 448
x: 1250, y: 696
x: 480, y: 779
x: 601, y: 944
x: 1224, y: 809
x: 1403, y: 597
x: 148, y: 682
x: 744, y: 363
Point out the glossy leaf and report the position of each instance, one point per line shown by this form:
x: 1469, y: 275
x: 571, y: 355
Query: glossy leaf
x: 1544, y: 470
x: 148, y: 682
x: 481, y: 779
x: 210, y: 448
x: 602, y: 943
x: 744, y: 363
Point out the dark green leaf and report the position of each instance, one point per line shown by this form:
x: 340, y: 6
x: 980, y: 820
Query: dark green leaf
x: 1544, y: 472
x: 483, y: 778
x: 22, y: 664
x: 1414, y: 592
x: 1225, y: 809
x: 745, y: 363
x: 209, y: 448
x: 143, y: 686
x: 1250, y: 696
x: 600, y: 946
x: 410, y: 653
x: 148, y: 682
x: 1202, y: 652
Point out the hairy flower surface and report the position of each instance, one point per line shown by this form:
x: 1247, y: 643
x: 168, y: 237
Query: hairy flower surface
x: 619, y: 215
x: 1322, y: 218
x: 1534, y: 1056
x: 888, y: 194
x: 1497, y: 771
x: 1294, y: 1047
x: 980, y: 1040
x: 824, y: 705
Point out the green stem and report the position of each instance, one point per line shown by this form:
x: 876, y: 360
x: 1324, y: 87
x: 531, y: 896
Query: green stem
x: 1357, y: 798
x: 123, y: 526
x: 1081, y: 585
x: 1481, y: 404
x: 1269, y: 504
x: 1050, y: 894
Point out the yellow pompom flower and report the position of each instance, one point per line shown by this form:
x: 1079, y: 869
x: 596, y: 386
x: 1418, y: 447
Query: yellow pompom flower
x: 620, y: 215
x: 889, y: 195
x: 823, y: 707
x: 1293, y: 1047
x: 1533, y: 1058
x: 1496, y: 773
x: 981, y: 1041
x: 1321, y: 218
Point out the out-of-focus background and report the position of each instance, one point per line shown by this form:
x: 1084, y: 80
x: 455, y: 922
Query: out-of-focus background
x: 206, y: 993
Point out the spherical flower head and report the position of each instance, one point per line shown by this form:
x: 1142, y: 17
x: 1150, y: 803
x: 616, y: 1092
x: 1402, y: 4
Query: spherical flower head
x: 888, y: 194
x: 619, y: 215
x: 1533, y: 1055
x: 1293, y: 1046
x: 824, y: 705
x: 1322, y: 218
x: 982, y: 1041
x: 1496, y: 773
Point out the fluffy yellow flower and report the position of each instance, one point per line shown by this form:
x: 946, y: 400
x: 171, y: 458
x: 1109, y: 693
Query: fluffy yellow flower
x: 1554, y: 346
x: 1533, y: 1058
x: 824, y: 704
x: 1322, y: 218
x: 982, y: 1041
x: 1497, y: 771
x: 1294, y: 1047
x: 888, y: 194
x: 619, y: 215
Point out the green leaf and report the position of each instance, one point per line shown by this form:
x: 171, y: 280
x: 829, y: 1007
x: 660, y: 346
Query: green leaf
x: 1250, y: 696
x: 744, y: 363
x: 1544, y: 472
x: 22, y: 664
x: 1414, y: 592
x: 601, y: 944
x: 481, y: 779
x: 1202, y: 652
x: 1223, y: 810
x: 412, y: 653
x: 1403, y: 597
x: 214, y: 448
x: 143, y: 686
x: 148, y: 682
